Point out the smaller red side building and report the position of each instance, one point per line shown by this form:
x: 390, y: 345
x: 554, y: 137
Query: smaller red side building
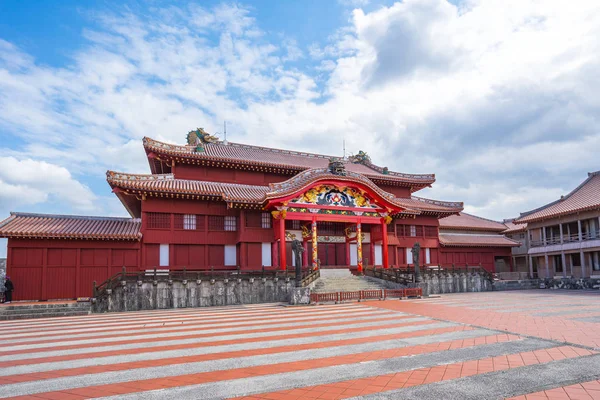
x: 472, y: 240
x: 212, y: 204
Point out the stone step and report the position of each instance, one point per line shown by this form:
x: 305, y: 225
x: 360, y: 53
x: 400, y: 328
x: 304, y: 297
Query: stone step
x: 43, y: 315
x: 345, y: 282
x: 43, y: 310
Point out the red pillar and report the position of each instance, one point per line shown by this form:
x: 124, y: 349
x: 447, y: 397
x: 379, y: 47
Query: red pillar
x: 314, y: 243
x: 282, y: 255
x: 384, y: 245
x: 359, y: 255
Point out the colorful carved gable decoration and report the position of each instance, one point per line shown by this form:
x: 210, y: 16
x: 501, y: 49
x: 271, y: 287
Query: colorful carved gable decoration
x: 328, y: 195
x: 199, y: 138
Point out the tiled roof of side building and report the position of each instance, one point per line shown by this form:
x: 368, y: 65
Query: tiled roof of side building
x: 237, y: 152
x: 473, y: 240
x: 50, y: 226
x: 468, y: 222
x: 585, y: 197
x: 511, y: 227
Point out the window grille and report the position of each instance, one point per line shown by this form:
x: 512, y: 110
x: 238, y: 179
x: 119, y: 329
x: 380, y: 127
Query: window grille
x: 230, y: 223
x: 331, y: 228
x: 430, y: 231
x: 253, y: 220
x: 216, y: 223
x: 189, y: 222
x: 413, y: 230
x: 158, y: 220
x: 295, y: 225
x: 266, y: 220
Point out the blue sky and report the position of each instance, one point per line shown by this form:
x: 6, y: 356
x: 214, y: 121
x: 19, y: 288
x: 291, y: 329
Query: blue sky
x: 497, y: 98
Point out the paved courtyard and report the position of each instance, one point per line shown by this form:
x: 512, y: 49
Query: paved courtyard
x: 525, y: 345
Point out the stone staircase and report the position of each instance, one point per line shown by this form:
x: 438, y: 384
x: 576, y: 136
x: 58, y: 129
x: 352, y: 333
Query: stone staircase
x: 43, y: 310
x: 342, y: 280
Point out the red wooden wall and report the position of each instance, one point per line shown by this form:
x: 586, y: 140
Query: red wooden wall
x: 61, y: 269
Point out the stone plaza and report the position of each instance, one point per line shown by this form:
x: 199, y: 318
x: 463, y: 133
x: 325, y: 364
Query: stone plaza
x: 537, y: 344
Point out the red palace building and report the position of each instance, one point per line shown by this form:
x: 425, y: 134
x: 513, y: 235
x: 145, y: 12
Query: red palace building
x: 213, y: 204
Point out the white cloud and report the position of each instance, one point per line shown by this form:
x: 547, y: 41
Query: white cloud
x: 28, y: 182
x: 498, y: 98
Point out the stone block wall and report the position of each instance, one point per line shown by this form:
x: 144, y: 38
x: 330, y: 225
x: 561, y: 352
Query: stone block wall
x: 135, y: 296
x: 445, y: 283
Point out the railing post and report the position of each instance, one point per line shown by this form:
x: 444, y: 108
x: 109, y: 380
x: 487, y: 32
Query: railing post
x: 263, y: 272
x: 212, y: 272
x: 184, y: 274
x: 154, y: 274
x: 95, y: 290
x: 123, y: 273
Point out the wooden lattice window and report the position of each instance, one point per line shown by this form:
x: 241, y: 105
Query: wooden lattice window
x: 253, y: 220
x: 158, y: 220
x: 221, y: 223
x: 189, y: 222
x: 230, y: 223
x: 265, y: 219
x: 430, y: 231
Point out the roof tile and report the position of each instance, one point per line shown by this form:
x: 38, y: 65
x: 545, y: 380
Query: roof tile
x: 464, y: 221
x: 471, y: 240
x: 50, y: 226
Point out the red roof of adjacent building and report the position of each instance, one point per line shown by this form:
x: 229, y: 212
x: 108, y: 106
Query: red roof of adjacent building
x: 49, y: 226
x: 585, y: 197
x: 473, y: 240
x: 276, y: 159
x: 511, y: 227
x: 468, y: 222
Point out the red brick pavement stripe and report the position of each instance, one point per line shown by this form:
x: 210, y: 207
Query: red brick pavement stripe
x: 262, y: 370
x: 244, y: 353
x: 108, y: 353
x: 422, y: 376
x: 54, y: 345
x: 553, y: 328
x: 580, y: 391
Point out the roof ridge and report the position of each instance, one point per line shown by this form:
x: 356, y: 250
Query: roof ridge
x: 482, y: 218
x: 124, y: 175
x: 70, y: 216
x: 439, y: 202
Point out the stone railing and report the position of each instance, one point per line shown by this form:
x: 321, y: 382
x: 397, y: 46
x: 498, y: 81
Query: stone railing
x: 132, y: 291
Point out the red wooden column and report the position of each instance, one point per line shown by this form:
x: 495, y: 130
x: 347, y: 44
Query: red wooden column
x: 359, y: 257
x: 282, y: 255
x: 384, y: 245
x: 315, y: 254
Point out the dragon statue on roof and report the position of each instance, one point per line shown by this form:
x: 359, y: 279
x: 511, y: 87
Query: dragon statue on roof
x: 361, y: 158
x: 199, y: 138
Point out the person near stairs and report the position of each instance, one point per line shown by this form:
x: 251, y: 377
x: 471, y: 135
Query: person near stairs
x: 8, y: 289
